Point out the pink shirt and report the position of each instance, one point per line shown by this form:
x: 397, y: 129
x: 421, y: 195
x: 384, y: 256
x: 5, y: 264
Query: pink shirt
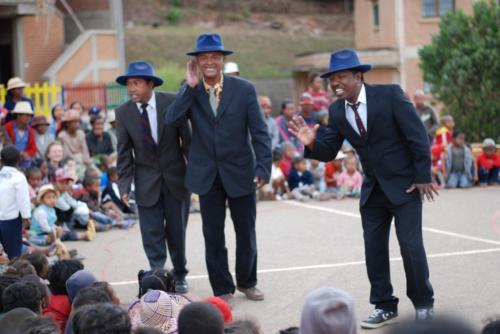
x: 355, y: 180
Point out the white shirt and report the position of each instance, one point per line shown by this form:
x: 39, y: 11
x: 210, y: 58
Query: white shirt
x: 153, y: 121
x: 14, y: 194
x: 362, y: 111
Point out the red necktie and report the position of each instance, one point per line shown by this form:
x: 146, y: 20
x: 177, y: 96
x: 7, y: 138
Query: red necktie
x: 359, y: 122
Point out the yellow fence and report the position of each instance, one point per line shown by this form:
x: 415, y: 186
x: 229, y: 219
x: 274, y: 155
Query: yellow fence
x: 43, y: 96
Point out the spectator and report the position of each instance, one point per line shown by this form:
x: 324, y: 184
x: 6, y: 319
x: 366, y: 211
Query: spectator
x: 287, y: 113
x: 59, y: 306
x: 42, y: 136
x: 91, y: 196
x: 21, y: 133
x: 289, y: 153
x: 156, y: 309
x: 277, y: 188
x: 426, y: 114
x: 15, y: 206
x: 350, y: 180
x: 102, y: 318
x: 78, y: 281
x: 54, y: 156
x: 321, y: 98
x: 459, y: 163
x: 301, y: 181
x: 200, y: 317
x: 109, y: 290
x: 333, y: 169
x: 98, y: 141
x: 328, y: 310
x: 437, y: 165
x: 12, y: 321
x: 493, y: 327
x: 57, y: 113
x: 39, y: 261
x: 15, y: 94
x: 317, y: 169
x: 22, y: 294
x: 44, y: 231
x: 39, y: 325
x: 444, y: 133
x: 21, y: 268
x: 112, y: 129
x: 488, y: 163
x: 4, y: 262
x: 34, y: 178
x: 42, y: 288
x: 72, y: 138
x: 247, y: 326
x: 84, y: 118
x: 231, y: 68
x: 306, y: 109
x: 4, y: 138
x: 112, y: 192
x: 6, y: 280
x: 266, y: 105
x: 322, y: 118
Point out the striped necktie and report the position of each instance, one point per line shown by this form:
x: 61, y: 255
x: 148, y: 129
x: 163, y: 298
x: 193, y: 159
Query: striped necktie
x: 359, y: 122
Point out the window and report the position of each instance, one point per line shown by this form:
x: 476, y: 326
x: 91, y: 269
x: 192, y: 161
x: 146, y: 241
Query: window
x: 435, y: 8
x: 376, y: 17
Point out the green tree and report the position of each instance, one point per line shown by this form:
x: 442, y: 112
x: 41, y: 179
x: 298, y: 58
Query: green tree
x: 462, y: 65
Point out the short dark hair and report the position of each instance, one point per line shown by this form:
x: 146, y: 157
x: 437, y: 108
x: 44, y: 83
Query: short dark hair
x: 313, y: 76
x: 106, y: 287
x: 493, y: 327
x: 21, y: 267
x: 59, y: 273
x: 6, y: 280
x: 22, y: 294
x: 32, y: 171
x: 38, y: 260
x: 102, y: 318
x: 39, y: 325
x: 112, y: 171
x: 200, y: 317
x: 10, y: 156
x: 298, y: 160
x: 91, y: 295
x: 95, y: 118
x: 285, y: 102
x: 457, y: 133
x: 73, y: 104
x: 42, y: 288
x: 90, y: 180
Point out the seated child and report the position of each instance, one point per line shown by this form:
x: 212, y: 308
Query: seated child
x: 437, y: 166
x: 34, y: 177
x: 488, y: 164
x: 332, y: 173
x: 350, y: 180
x: 301, y: 181
x: 288, y: 153
x: 459, y: 163
x: 444, y: 133
x: 277, y: 188
x: 43, y: 229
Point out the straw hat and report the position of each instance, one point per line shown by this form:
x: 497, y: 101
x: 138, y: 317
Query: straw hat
x: 23, y: 107
x: 15, y: 82
x: 46, y: 189
x: 71, y: 115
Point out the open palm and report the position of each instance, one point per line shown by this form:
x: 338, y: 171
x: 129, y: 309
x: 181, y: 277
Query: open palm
x: 299, y: 128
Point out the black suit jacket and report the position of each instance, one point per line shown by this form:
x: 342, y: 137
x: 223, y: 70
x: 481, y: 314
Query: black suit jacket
x: 397, y: 152
x: 235, y: 144
x: 133, y: 165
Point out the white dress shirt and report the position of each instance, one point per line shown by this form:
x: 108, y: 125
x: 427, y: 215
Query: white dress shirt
x: 14, y: 194
x: 362, y: 111
x: 153, y: 121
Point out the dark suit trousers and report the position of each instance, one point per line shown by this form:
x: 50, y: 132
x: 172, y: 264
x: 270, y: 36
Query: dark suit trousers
x: 376, y: 216
x: 165, y: 221
x: 243, y: 213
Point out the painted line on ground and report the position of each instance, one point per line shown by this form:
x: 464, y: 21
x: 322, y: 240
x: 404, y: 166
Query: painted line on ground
x: 427, y: 229
x: 336, y: 265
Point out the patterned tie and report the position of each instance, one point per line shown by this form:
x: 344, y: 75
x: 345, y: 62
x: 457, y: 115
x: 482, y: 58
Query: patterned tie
x: 213, y: 100
x: 147, y: 138
x: 359, y: 122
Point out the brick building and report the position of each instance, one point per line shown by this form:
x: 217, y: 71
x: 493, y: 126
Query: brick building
x: 66, y: 41
x: 388, y: 34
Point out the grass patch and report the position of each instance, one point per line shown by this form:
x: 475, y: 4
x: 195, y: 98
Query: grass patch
x: 260, y: 54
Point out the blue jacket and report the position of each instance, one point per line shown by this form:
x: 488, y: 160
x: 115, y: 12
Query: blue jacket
x: 295, y: 180
x: 397, y: 152
x: 235, y: 144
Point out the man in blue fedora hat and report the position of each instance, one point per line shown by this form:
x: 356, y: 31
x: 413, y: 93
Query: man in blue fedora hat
x: 384, y: 128
x: 153, y: 156
x: 230, y: 157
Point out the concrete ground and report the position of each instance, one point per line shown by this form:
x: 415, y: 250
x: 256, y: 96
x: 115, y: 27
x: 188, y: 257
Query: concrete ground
x: 303, y: 246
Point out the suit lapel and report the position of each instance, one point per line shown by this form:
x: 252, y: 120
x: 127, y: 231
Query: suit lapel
x: 202, y: 97
x: 226, y: 96
x: 351, y: 133
x: 160, y: 107
x: 372, y: 107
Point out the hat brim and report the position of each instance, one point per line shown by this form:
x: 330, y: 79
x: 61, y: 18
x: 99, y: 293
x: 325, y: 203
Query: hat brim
x: 23, y: 112
x: 20, y: 85
x: 122, y: 79
x: 197, y: 52
x: 363, y: 68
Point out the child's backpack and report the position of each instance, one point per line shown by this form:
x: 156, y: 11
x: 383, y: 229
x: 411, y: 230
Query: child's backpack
x: 156, y: 279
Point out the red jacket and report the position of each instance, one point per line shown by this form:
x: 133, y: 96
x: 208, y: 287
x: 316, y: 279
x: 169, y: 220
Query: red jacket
x: 59, y: 309
x: 31, y: 147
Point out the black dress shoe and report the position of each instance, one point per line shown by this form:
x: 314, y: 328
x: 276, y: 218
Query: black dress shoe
x: 181, y: 285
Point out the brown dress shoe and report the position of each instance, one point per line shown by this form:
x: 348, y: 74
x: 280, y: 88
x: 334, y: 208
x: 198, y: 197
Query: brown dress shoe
x: 252, y: 293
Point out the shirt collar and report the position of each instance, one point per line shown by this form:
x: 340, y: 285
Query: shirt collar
x: 217, y: 86
x: 151, y: 102
x: 361, y: 96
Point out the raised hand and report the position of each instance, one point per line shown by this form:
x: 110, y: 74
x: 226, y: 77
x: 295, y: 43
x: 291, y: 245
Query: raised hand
x: 298, y: 127
x: 192, y: 75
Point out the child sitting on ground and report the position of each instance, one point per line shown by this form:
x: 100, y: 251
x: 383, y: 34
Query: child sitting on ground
x: 488, y: 164
x: 332, y: 173
x: 112, y: 192
x: 350, y: 180
x: 288, y: 154
x: 34, y: 177
x: 437, y: 165
x: 277, y: 188
x: 301, y: 181
x: 44, y: 230
x: 444, y: 133
x: 459, y: 163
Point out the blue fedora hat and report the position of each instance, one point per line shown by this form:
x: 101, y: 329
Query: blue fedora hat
x: 209, y: 43
x: 139, y: 69
x: 345, y: 59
